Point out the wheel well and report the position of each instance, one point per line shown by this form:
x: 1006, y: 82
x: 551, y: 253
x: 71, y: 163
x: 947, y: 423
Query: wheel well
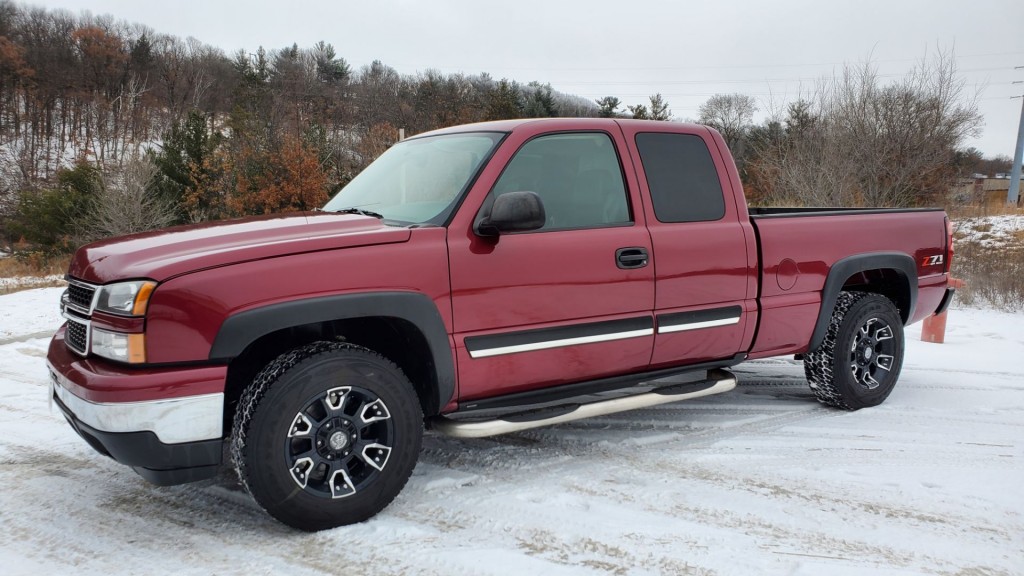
x: 884, y: 281
x: 396, y: 339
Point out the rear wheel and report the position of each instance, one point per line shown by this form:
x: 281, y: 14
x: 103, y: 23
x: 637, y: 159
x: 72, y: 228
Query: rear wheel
x: 327, y: 435
x: 858, y: 363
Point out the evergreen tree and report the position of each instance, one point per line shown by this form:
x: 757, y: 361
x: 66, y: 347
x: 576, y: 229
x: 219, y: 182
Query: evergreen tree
x: 51, y: 217
x: 639, y: 112
x: 608, y: 106
x: 504, y: 101
x: 659, y: 108
x: 188, y: 168
x: 540, y: 103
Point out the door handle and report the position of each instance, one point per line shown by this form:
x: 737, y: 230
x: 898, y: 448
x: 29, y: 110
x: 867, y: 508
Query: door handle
x: 634, y: 257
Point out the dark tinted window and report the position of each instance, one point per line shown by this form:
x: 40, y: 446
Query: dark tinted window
x: 682, y: 177
x: 577, y: 176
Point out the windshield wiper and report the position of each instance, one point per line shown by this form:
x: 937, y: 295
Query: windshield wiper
x: 359, y: 211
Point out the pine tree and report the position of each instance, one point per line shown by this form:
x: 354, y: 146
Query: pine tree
x: 659, y: 108
x: 608, y: 106
x: 639, y: 112
x: 504, y: 101
x: 540, y: 103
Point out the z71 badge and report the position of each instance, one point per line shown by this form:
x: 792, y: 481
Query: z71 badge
x: 933, y: 260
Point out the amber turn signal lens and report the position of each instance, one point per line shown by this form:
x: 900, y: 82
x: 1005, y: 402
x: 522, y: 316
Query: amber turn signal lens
x: 142, y: 298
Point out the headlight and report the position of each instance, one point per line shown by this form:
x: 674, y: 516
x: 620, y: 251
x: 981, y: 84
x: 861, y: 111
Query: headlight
x: 119, y: 346
x: 125, y: 298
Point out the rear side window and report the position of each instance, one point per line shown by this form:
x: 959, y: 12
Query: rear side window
x: 682, y: 177
x: 576, y: 175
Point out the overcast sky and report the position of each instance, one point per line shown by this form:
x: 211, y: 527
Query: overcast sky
x: 687, y: 50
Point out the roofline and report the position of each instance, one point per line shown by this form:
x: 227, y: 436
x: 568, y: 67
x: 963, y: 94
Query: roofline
x: 578, y: 123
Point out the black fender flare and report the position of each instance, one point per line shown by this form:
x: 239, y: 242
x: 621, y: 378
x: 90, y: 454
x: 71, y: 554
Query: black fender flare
x: 240, y: 330
x: 842, y: 270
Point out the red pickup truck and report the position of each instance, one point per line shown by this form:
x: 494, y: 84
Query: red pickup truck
x: 478, y: 280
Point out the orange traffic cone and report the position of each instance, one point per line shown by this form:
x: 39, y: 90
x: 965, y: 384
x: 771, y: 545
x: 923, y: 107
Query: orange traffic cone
x: 933, y: 329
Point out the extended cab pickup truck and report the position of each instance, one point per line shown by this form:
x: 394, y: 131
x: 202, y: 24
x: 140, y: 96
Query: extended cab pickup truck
x: 478, y: 280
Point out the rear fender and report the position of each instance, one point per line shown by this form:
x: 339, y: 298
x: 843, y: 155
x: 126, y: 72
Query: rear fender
x: 900, y: 263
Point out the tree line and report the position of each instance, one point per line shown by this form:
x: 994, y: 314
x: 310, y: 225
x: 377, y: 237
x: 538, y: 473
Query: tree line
x: 108, y: 127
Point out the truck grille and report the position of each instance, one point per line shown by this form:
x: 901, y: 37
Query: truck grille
x: 76, y: 337
x: 80, y: 296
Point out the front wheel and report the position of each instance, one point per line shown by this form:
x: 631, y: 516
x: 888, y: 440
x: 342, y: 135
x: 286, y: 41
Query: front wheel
x: 859, y: 361
x: 327, y: 435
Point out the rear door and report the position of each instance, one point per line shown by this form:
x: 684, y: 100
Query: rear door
x: 562, y: 303
x: 705, y: 275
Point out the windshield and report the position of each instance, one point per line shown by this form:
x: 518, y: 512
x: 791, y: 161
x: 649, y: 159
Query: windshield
x: 418, y: 181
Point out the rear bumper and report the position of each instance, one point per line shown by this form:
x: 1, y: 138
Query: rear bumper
x: 947, y: 298
x: 166, y: 440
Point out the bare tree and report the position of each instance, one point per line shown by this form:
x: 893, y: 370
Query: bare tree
x: 860, y: 142
x: 126, y: 202
x: 732, y: 115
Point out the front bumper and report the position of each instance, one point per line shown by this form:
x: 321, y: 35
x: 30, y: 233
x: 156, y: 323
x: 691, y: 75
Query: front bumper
x: 167, y: 441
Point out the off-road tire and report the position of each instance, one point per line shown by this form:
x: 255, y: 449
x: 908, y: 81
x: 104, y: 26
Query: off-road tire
x: 264, y: 422
x: 832, y: 370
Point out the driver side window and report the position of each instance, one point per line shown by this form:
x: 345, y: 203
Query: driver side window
x: 576, y: 175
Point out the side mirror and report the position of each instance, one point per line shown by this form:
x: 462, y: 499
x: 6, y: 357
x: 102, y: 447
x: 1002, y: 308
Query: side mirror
x: 513, y: 212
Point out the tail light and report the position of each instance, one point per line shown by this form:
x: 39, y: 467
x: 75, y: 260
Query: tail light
x: 949, y: 245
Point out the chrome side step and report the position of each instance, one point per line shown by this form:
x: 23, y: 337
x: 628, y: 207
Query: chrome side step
x: 723, y: 382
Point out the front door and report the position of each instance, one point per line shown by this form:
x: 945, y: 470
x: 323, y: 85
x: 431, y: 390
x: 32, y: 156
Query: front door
x: 563, y: 303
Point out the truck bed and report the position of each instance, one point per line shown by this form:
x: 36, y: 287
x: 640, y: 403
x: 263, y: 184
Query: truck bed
x: 794, y: 212
x: 799, y: 246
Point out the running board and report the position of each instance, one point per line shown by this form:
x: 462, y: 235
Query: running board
x: 723, y: 382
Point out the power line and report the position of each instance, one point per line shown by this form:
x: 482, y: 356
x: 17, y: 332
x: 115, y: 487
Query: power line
x: 728, y: 81
x: 706, y: 67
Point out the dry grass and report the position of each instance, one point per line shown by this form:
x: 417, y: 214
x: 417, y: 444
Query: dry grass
x: 964, y: 212
x: 34, y: 264
x: 994, y: 275
x: 31, y: 270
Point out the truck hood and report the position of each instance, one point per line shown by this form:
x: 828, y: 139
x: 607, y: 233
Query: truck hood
x: 162, y: 254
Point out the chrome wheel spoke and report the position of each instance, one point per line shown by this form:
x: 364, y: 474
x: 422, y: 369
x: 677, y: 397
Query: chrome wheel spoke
x: 301, y: 426
x: 869, y: 380
x: 883, y: 333
x: 301, y: 470
x: 374, y: 412
x: 884, y: 361
x: 341, y: 484
x: 335, y: 398
x: 376, y: 455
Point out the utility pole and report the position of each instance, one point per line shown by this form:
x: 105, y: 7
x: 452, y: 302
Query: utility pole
x: 1012, y: 194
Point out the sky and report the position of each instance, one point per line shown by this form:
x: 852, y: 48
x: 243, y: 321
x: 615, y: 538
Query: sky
x: 685, y: 50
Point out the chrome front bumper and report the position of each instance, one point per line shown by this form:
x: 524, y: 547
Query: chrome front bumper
x: 172, y: 420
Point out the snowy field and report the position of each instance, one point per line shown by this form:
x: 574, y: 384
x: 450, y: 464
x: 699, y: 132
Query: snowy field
x: 761, y: 480
x: 990, y: 231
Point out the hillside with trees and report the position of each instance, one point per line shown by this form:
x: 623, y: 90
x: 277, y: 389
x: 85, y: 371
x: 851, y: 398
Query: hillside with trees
x: 108, y: 127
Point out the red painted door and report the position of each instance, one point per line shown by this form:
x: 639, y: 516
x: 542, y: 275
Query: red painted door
x: 703, y: 244
x: 555, y: 305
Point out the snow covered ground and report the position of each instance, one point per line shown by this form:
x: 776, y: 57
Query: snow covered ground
x: 12, y: 284
x: 761, y: 480
x: 991, y: 231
